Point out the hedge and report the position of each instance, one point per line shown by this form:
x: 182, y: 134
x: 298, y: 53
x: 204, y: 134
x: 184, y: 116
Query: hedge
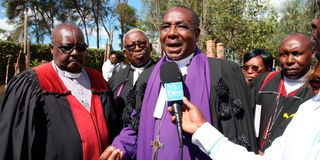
x: 39, y: 52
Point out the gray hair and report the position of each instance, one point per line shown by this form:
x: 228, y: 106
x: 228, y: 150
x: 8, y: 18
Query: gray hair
x: 133, y: 30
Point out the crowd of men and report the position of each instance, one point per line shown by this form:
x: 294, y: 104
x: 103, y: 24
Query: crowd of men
x: 64, y: 110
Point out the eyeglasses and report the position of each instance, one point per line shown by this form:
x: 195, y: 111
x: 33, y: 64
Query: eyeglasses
x: 67, y: 49
x: 315, y: 83
x: 255, y: 68
x: 132, y: 46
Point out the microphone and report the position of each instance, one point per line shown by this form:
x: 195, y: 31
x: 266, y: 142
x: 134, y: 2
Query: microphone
x: 171, y: 77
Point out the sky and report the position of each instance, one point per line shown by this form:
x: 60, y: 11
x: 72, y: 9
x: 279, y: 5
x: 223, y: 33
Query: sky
x: 116, y: 41
x: 93, y: 44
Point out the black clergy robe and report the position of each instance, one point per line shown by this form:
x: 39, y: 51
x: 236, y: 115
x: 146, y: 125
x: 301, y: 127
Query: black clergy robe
x: 121, y: 83
x: 40, y: 119
x: 277, y: 110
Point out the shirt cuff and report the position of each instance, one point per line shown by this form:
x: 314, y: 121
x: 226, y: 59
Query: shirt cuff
x: 206, y: 137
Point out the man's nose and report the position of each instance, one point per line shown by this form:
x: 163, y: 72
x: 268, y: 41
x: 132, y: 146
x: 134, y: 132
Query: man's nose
x: 250, y: 70
x: 74, y: 51
x: 290, y: 59
x: 173, y: 31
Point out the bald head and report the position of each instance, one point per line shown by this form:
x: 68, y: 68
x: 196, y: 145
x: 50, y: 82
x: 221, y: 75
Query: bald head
x: 301, y: 37
x: 65, y: 28
x: 195, y: 17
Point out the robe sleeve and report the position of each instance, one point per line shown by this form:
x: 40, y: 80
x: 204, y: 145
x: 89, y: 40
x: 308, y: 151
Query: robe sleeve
x: 17, y: 108
x: 218, y: 147
x: 243, y: 121
x: 126, y: 141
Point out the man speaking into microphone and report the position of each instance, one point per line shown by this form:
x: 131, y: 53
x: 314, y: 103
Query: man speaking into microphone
x: 217, y: 86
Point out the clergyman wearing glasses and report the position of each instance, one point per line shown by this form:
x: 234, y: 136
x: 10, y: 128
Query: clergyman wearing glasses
x: 60, y: 109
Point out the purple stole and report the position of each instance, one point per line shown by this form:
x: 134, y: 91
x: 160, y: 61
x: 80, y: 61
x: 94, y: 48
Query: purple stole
x: 197, y: 89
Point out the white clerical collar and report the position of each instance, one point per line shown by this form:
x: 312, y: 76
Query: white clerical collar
x: 293, y: 84
x: 300, y: 80
x: 140, y: 69
x: 183, y: 63
x: 66, y: 73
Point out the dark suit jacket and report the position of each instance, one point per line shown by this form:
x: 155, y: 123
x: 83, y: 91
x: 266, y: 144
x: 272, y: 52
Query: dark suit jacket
x: 123, y: 79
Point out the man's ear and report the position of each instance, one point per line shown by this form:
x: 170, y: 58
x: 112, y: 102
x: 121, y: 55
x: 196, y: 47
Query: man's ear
x: 51, y: 48
x: 315, y: 50
x: 124, y: 52
x: 197, y: 32
x: 150, y: 47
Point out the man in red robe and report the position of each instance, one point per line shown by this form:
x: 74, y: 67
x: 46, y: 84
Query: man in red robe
x: 58, y: 110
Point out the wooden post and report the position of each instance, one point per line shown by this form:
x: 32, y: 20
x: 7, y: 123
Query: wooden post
x: 25, y: 37
x: 9, y: 56
x: 210, y: 48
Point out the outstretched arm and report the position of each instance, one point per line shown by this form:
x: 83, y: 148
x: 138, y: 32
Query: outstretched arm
x: 208, y: 138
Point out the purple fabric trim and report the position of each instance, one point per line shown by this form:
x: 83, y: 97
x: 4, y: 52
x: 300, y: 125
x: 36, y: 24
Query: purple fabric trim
x: 197, y: 86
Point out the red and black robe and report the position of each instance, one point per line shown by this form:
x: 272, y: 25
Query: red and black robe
x: 278, y: 106
x: 40, y: 119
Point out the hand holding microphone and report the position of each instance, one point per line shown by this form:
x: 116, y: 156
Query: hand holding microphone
x: 192, y: 117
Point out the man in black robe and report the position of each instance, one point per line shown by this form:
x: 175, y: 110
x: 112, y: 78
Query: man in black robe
x: 58, y: 110
x: 137, y: 50
x: 217, y: 85
x: 280, y: 93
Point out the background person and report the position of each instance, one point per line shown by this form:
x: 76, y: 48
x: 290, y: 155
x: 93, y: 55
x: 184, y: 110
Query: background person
x: 280, y: 93
x: 108, y: 66
x: 137, y: 49
x: 256, y: 61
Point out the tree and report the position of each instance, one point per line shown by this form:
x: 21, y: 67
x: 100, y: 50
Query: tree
x: 42, y: 17
x: 74, y: 11
x: 127, y: 17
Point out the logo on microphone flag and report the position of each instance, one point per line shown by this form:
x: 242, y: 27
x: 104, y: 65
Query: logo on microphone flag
x: 174, y: 91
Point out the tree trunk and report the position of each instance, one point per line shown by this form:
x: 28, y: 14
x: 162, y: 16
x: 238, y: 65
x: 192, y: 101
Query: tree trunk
x: 7, y: 69
x: 17, y: 65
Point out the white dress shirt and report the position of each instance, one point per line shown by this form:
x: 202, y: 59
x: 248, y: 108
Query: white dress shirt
x: 107, y: 70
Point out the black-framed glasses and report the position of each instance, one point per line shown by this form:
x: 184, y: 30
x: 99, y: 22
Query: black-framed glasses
x: 255, y: 68
x: 132, y: 46
x: 315, y: 83
x: 67, y: 49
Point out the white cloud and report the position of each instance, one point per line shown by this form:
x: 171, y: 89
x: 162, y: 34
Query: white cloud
x: 5, y: 25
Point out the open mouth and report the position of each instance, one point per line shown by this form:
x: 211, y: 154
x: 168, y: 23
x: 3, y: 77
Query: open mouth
x: 174, y: 47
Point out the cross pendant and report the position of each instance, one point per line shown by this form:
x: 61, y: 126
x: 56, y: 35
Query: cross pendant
x: 156, y: 144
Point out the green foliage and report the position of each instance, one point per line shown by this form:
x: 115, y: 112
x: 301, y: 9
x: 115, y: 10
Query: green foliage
x: 8, y: 49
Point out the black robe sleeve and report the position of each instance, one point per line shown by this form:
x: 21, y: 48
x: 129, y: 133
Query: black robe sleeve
x: 231, y: 108
x: 18, y: 105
